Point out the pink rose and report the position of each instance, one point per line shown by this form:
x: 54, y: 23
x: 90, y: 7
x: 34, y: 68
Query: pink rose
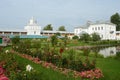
x: 1, y: 70
x: 4, y: 78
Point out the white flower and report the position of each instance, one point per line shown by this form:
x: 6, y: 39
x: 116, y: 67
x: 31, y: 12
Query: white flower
x: 17, y: 47
x: 29, y: 68
x: 7, y: 51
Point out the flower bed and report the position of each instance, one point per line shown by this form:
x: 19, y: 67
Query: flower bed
x: 54, y: 56
x: 86, y: 74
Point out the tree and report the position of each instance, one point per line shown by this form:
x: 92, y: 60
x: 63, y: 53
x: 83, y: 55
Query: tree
x: 115, y: 18
x: 48, y: 27
x: 61, y: 28
x: 95, y: 37
x: 75, y: 37
x: 85, y: 37
x: 58, y: 34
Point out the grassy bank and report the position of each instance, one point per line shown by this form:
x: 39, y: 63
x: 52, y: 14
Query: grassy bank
x: 110, y: 68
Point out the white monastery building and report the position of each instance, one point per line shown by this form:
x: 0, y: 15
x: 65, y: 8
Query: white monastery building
x: 106, y: 30
x: 33, y: 28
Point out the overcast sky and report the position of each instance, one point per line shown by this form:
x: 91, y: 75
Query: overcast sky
x: 15, y: 14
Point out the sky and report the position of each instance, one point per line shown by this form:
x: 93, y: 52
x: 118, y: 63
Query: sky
x: 15, y: 14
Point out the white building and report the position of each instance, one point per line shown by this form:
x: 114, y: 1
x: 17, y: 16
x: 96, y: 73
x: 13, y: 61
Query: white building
x: 106, y: 30
x: 33, y: 28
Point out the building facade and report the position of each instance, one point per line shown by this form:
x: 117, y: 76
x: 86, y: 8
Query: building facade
x: 32, y: 28
x: 106, y: 30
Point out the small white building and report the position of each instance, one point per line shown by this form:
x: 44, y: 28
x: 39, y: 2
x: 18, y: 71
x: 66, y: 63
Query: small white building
x: 33, y: 28
x: 106, y: 30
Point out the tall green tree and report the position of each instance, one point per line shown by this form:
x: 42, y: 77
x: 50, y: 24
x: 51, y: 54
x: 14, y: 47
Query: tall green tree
x: 115, y: 18
x: 48, y: 27
x: 61, y: 28
x: 95, y: 37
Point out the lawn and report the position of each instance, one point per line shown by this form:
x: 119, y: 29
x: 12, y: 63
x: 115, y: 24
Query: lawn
x: 110, y: 68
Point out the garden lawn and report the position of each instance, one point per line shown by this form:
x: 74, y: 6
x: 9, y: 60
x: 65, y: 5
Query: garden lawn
x: 47, y: 74
x: 110, y: 68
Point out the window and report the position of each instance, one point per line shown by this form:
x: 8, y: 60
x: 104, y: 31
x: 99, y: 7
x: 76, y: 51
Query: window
x: 101, y: 28
x: 98, y: 28
x: 101, y: 36
x: 95, y: 28
x: 34, y: 32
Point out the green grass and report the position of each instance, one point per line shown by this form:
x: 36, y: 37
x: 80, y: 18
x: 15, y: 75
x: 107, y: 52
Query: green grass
x: 110, y: 68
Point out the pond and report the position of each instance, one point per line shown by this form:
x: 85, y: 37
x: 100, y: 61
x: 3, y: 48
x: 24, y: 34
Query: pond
x: 103, y: 50
x: 106, y: 51
x: 109, y: 51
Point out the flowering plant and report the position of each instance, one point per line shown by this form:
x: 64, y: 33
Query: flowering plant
x: 92, y: 74
x: 29, y: 68
x: 2, y: 75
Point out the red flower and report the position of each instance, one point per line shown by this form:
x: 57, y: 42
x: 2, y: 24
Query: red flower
x: 61, y: 50
x: 1, y: 70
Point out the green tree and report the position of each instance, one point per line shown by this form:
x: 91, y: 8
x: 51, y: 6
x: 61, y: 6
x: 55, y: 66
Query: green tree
x: 48, y: 27
x: 85, y: 37
x: 95, y: 37
x: 58, y: 34
x: 62, y: 28
x: 75, y: 37
x: 115, y: 18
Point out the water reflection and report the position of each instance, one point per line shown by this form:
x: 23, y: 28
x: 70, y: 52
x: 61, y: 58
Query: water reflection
x: 105, y: 51
x: 110, y: 51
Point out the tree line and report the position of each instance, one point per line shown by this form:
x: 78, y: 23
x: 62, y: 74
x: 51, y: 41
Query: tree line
x: 49, y: 27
